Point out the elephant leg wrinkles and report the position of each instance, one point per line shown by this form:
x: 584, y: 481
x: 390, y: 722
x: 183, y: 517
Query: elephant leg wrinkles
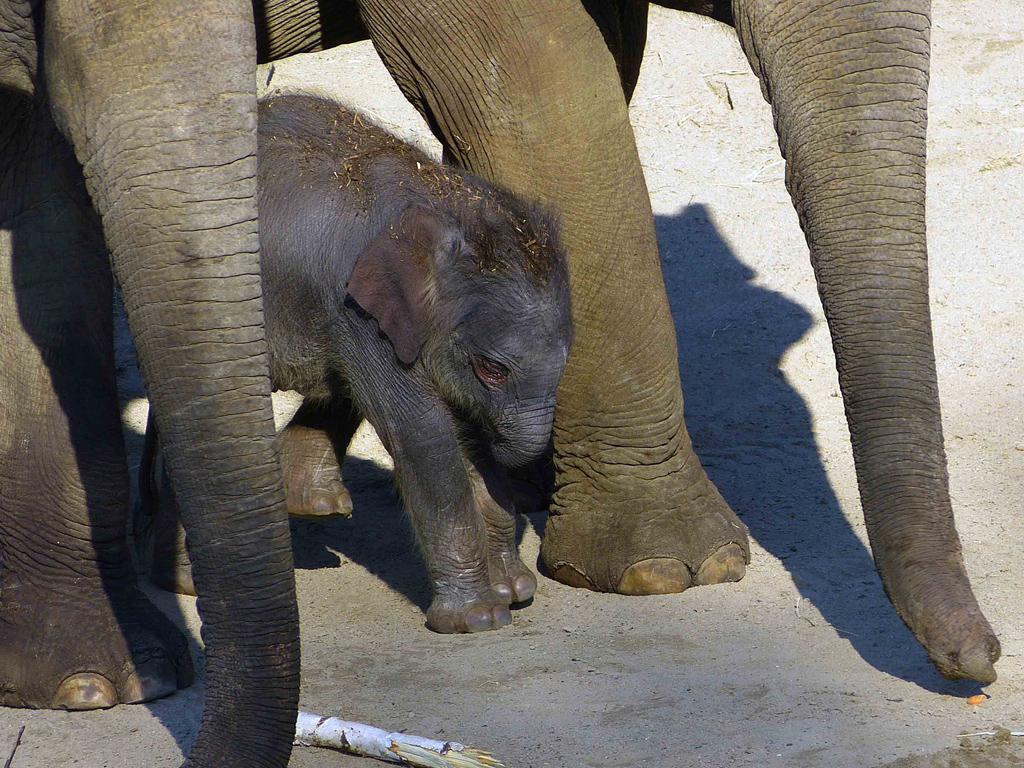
x: 633, y: 510
x: 492, y: 493
x: 75, y: 630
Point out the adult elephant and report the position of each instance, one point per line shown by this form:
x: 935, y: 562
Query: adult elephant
x: 143, y: 113
x: 157, y: 100
x: 534, y: 95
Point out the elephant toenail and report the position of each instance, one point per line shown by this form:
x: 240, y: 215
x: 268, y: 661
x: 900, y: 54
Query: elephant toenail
x: 655, y: 576
x: 152, y: 681
x: 727, y: 564
x: 484, y: 618
x: 501, y: 616
x: 343, y: 505
x: 478, y: 620
x: 523, y: 588
x: 86, y: 690
x: 503, y: 591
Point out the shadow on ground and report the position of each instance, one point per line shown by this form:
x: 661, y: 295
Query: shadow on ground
x: 377, y: 536
x: 753, y: 433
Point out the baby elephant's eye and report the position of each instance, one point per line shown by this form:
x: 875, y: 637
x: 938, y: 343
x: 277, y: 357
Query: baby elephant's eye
x: 489, y: 371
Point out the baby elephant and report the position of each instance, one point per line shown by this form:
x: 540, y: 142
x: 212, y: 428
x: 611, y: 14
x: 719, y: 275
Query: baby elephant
x: 434, y: 304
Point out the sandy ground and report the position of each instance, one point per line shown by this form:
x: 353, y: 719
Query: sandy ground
x: 804, y: 663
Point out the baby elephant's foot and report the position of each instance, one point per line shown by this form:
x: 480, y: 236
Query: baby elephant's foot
x: 511, y: 580
x: 312, y: 477
x: 467, y: 604
x: 476, y: 615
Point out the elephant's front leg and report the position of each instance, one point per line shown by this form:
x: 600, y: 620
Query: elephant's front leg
x: 76, y: 632
x: 432, y: 474
x: 527, y: 94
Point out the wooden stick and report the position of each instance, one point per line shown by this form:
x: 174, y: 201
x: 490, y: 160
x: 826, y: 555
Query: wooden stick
x: 402, y: 748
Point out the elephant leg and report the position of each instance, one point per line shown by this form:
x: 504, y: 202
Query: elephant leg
x: 288, y: 27
x: 848, y: 86
x: 493, y: 496
x: 76, y: 632
x: 310, y: 446
x: 159, y: 104
x: 160, y: 540
x: 313, y: 449
x: 433, y: 478
x: 529, y: 96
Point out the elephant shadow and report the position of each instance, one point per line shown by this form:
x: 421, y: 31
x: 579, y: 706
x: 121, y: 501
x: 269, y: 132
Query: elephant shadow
x: 752, y: 432
x: 377, y: 537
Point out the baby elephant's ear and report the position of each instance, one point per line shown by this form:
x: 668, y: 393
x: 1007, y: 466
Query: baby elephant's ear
x: 390, y: 278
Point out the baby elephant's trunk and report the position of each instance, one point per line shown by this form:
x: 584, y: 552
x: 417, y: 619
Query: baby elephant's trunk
x: 525, y: 435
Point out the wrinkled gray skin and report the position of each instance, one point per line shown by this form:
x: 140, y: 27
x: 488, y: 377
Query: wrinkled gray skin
x: 158, y: 107
x: 118, y: 132
x: 524, y: 94
x: 433, y: 303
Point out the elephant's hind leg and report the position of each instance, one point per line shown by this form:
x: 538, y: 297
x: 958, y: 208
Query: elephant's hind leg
x: 75, y: 630
x: 313, y: 448
x: 527, y: 94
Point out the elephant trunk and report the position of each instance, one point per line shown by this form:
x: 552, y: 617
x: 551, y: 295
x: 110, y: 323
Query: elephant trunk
x: 164, y: 126
x: 848, y: 87
x: 526, y: 435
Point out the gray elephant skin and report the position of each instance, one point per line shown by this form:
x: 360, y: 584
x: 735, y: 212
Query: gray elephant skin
x: 119, y: 137
x: 432, y: 303
x: 524, y: 96
x: 152, y: 106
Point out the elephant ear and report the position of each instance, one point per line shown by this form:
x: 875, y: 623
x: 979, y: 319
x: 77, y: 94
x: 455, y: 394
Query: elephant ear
x: 390, y: 278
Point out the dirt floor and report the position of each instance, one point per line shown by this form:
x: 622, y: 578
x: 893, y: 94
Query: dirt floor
x: 804, y: 663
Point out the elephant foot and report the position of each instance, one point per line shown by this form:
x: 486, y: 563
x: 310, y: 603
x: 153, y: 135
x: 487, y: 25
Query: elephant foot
x: 477, y: 614
x: 468, y: 603
x: 86, y: 654
x: 511, y: 580
x: 312, y: 476
x: 643, y: 535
